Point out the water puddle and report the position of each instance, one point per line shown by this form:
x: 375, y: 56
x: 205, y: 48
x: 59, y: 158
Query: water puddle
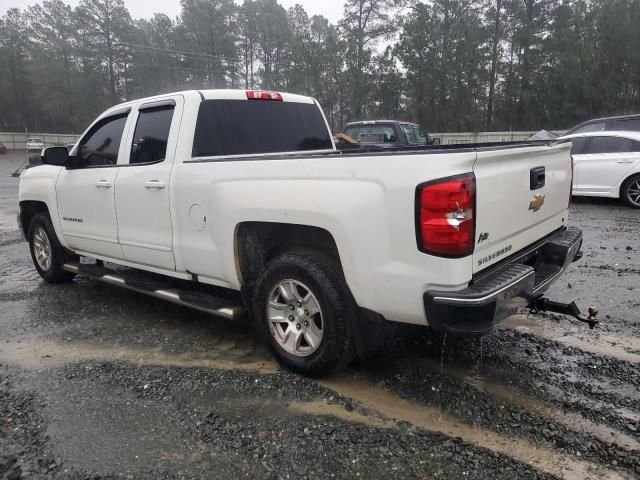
x: 35, y: 353
x: 622, y: 348
x: 433, y: 419
x: 491, y: 384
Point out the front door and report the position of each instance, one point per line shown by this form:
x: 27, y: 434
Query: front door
x: 85, y: 190
x: 142, y: 189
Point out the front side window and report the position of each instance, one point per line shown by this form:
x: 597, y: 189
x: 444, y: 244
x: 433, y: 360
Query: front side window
x: 253, y: 127
x: 101, y: 145
x: 151, y: 135
x: 611, y: 145
x: 410, y: 134
x: 421, y: 137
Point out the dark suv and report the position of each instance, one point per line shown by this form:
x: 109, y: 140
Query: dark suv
x: 623, y: 123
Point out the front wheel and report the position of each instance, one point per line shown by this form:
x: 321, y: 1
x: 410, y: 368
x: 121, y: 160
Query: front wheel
x: 630, y: 191
x: 304, y: 309
x: 46, y: 252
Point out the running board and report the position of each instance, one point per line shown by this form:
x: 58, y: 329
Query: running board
x: 163, y: 288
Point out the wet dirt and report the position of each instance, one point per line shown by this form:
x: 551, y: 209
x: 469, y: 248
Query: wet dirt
x: 626, y: 348
x: 434, y: 420
x: 97, y: 382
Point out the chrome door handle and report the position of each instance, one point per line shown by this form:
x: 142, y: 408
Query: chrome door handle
x: 626, y: 161
x: 103, y: 184
x: 157, y: 184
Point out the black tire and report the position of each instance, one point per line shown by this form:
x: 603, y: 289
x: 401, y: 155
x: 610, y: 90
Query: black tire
x: 628, y: 186
x: 326, y: 281
x: 55, y: 272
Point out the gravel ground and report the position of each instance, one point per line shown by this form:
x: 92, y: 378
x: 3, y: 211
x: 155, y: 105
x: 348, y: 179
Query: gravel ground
x: 96, y: 382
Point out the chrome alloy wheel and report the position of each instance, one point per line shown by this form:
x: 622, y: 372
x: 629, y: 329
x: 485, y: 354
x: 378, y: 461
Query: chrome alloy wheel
x: 295, y: 318
x: 42, y: 249
x: 633, y: 193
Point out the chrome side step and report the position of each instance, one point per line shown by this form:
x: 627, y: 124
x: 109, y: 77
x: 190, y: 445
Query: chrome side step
x: 171, y: 290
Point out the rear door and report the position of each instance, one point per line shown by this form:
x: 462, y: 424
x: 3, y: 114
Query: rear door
x: 142, y: 193
x: 604, y: 163
x: 522, y: 196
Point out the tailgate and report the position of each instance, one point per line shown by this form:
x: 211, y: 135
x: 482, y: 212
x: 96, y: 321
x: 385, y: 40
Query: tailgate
x: 522, y: 195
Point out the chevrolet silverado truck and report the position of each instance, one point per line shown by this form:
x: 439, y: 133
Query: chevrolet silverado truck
x: 237, y: 203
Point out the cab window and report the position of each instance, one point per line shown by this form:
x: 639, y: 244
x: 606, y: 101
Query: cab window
x: 151, y: 135
x: 421, y: 137
x: 372, y: 133
x: 101, y: 145
x: 409, y: 134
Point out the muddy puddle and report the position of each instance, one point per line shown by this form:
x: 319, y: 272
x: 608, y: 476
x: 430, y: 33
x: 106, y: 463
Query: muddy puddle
x: 393, y: 407
x: 37, y: 353
x: 625, y: 348
x: 495, y: 384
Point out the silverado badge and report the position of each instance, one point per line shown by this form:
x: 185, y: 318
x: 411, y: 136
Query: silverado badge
x: 537, y: 203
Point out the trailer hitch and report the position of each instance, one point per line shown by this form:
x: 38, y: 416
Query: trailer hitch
x: 570, y: 309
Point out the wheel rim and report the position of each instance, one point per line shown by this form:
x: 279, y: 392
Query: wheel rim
x: 633, y: 193
x: 42, y: 249
x: 295, y: 318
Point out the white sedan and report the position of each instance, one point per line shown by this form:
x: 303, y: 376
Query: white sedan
x: 34, y: 144
x: 607, y: 164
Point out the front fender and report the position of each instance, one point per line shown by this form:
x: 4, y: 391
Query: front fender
x: 38, y: 184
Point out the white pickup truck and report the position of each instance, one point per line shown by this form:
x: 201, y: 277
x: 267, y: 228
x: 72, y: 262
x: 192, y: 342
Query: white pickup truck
x: 237, y: 202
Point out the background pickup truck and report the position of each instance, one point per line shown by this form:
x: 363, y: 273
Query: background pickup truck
x: 388, y: 133
x: 237, y: 202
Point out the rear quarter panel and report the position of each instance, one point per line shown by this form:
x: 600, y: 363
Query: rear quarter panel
x: 367, y: 203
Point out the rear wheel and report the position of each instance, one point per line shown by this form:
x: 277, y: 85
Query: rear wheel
x: 47, y: 254
x: 304, y: 310
x: 630, y: 191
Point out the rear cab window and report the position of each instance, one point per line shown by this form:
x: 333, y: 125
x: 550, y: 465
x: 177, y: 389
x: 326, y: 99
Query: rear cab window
x: 253, y: 127
x: 380, y: 133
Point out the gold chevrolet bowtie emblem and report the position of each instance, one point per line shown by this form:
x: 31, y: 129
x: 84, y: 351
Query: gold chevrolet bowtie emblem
x: 537, y: 203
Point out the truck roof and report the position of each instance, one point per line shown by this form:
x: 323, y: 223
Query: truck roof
x: 217, y: 94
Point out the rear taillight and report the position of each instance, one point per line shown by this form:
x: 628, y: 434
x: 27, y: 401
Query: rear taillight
x: 445, y: 214
x: 260, y: 95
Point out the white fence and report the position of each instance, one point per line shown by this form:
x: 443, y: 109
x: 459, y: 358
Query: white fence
x: 481, y: 137
x: 17, y: 141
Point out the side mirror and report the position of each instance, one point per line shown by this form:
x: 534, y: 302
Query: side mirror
x: 435, y: 141
x: 58, y: 156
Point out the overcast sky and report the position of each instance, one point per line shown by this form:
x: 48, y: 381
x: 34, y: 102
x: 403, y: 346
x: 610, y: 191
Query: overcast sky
x: 332, y: 9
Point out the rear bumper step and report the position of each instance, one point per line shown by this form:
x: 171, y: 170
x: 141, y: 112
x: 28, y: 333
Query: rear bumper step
x: 498, y: 294
x: 154, y: 286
